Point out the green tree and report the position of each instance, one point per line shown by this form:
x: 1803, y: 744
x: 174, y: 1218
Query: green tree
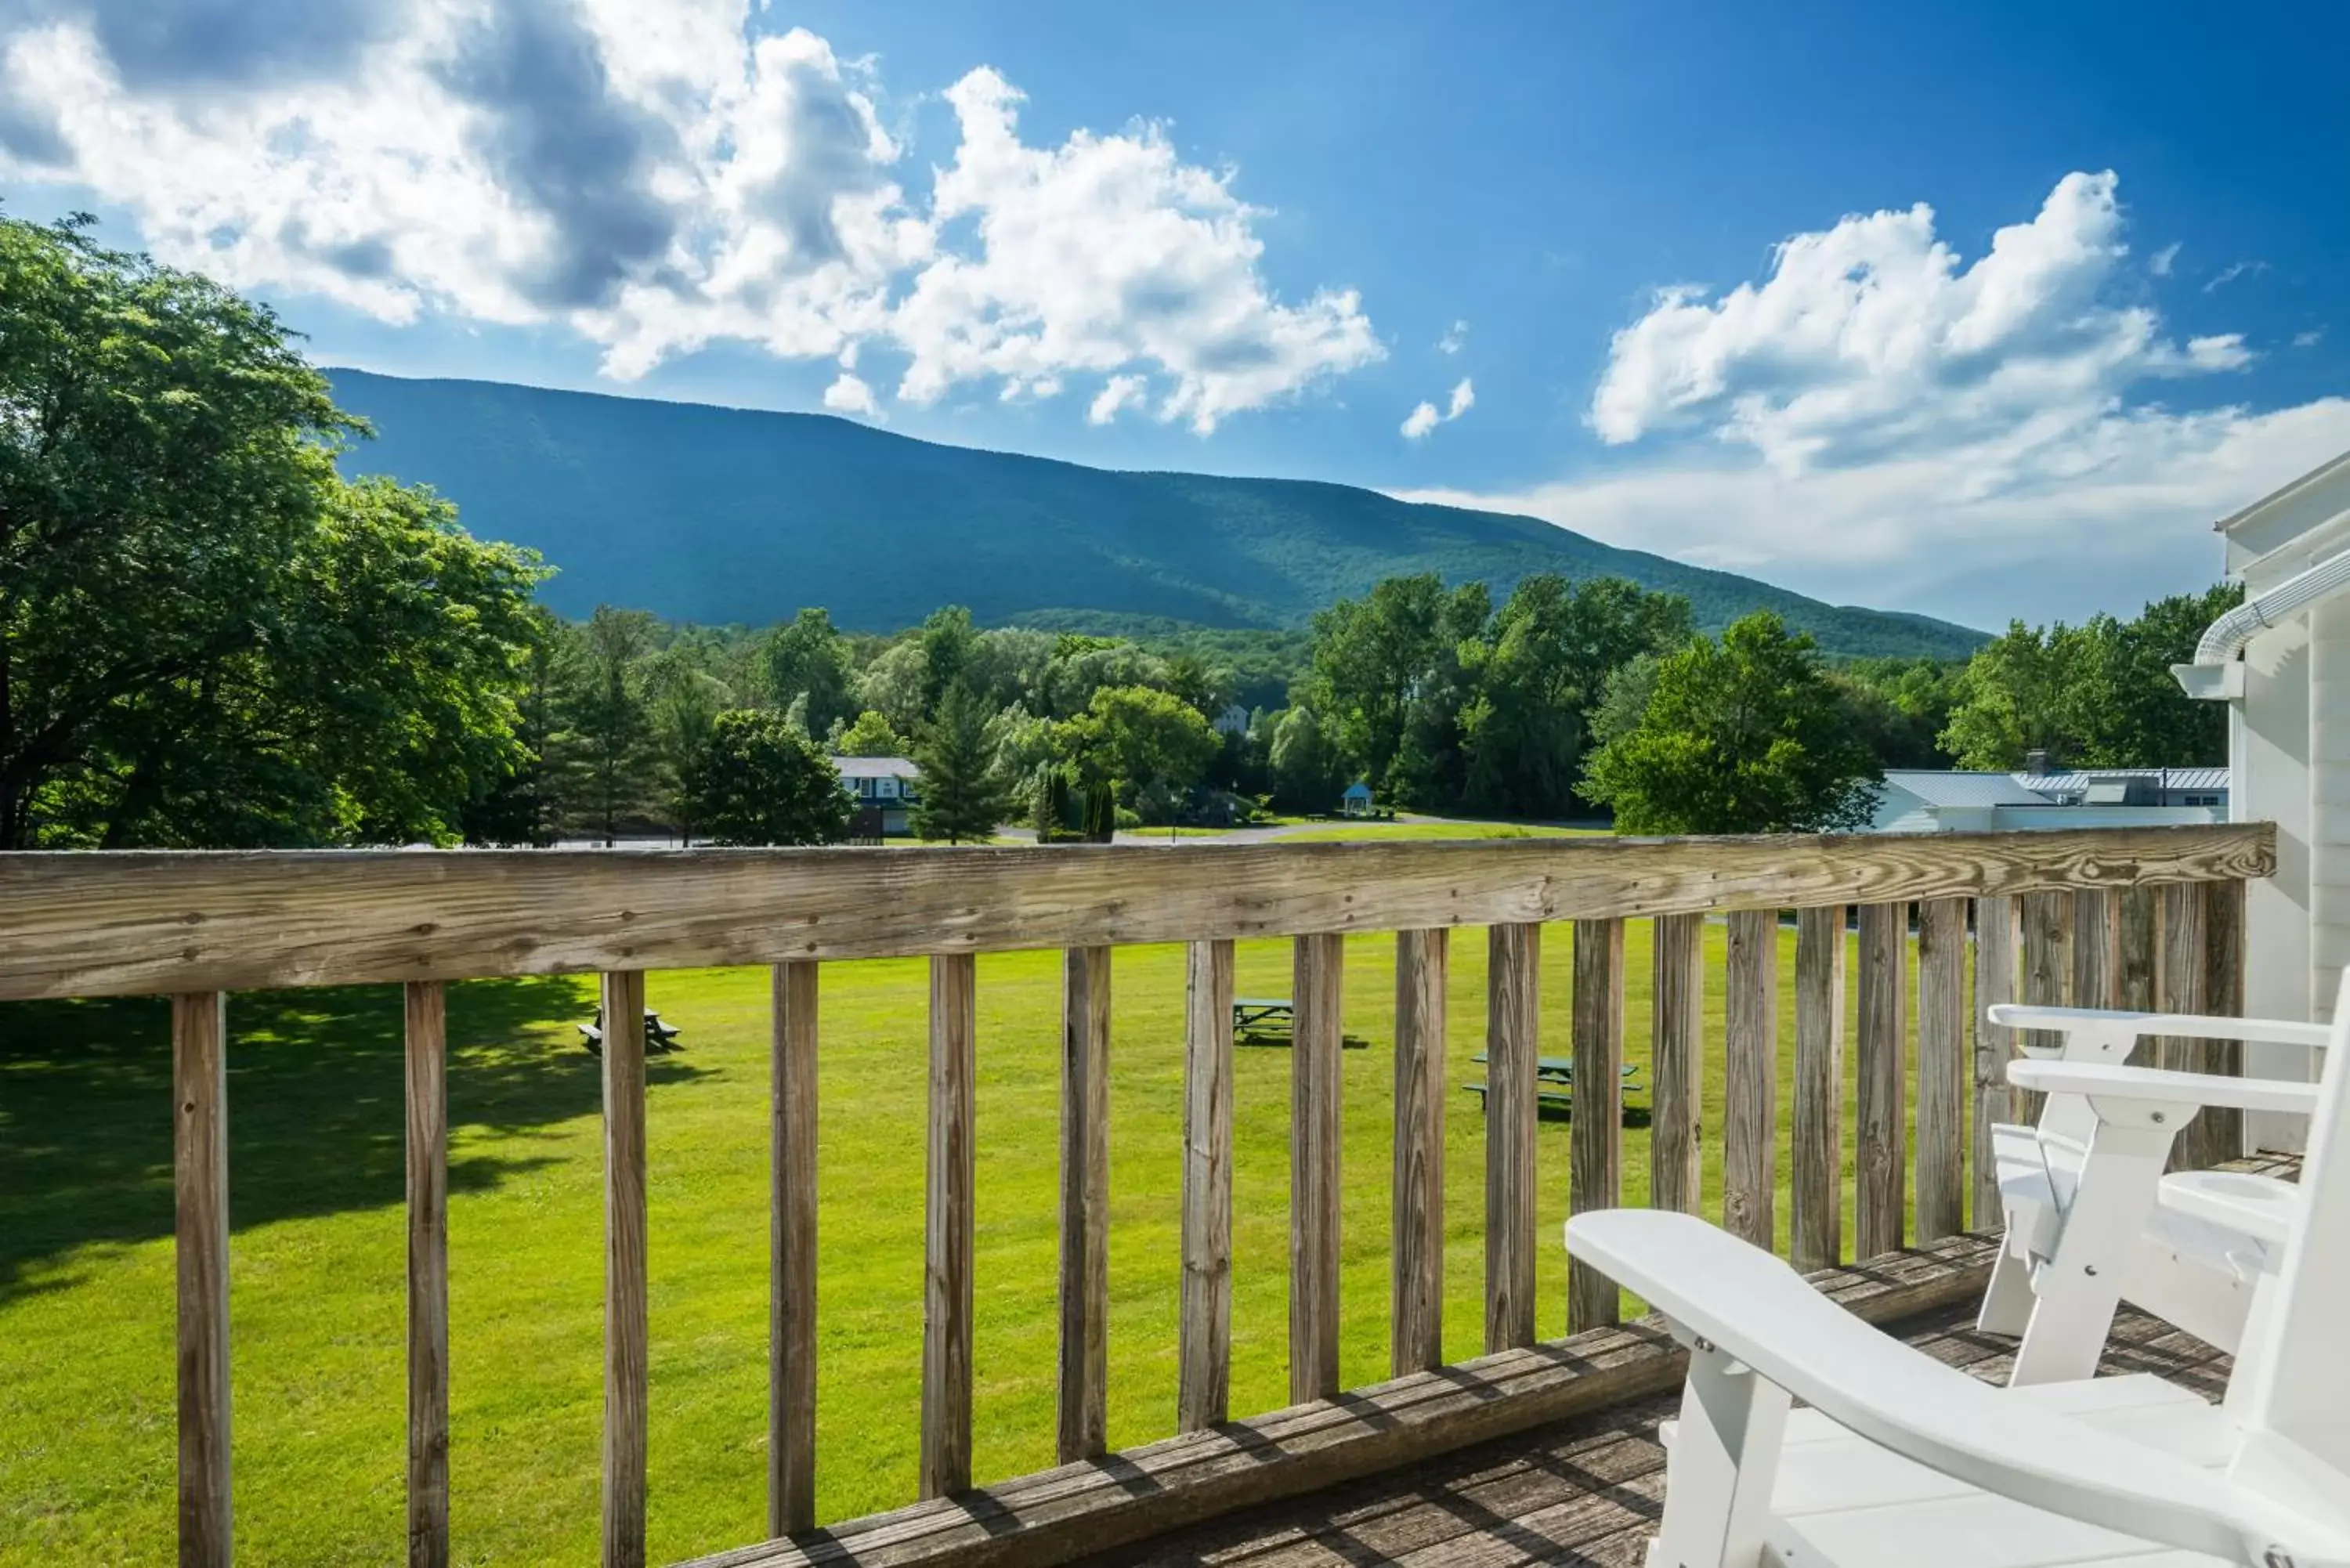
x: 807, y: 658
x: 964, y: 794
x: 2096, y: 695
x: 871, y: 736
x: 1555, y: 647
x: 1308, y: 773
x: 609, y: 721
x: 1744, y: 735
x: 761, y: 781
x: 186, y: 587
x: 1370, y: 656
x: 950, y: 644
x: 1900, y: 708
x: 683, y: 700
x: 1134, y: 736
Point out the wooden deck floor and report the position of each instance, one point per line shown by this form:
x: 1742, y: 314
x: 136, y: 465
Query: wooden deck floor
x: 1582, y: 1492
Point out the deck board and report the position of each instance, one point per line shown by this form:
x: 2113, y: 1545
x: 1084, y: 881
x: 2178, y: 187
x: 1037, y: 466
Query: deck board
x: 1587, y: 1491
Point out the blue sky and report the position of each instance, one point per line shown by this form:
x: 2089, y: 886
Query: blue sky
x: 1721, y: 283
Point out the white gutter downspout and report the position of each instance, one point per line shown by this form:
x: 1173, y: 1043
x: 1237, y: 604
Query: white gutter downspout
x: 2217, y: 674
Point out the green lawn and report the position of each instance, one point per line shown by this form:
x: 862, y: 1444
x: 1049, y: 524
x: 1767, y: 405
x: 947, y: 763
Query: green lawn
x: 86, y: 1440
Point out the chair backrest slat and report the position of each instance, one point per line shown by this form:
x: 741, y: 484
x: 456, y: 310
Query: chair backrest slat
x: 2302, y: 1373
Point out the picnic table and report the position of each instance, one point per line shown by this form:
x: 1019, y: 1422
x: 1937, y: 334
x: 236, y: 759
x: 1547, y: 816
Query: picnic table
x: 1554, y: 1080
x: 1273, y: 1018
x: 659, y: 1038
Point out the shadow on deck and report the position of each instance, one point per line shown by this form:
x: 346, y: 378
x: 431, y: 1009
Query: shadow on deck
x: 1581, y: 1491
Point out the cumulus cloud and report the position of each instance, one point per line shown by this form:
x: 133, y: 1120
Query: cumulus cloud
x: 2164, y: 259
x: 1455, y: 338
x: 658, y: 178
x: 849, y: 395
x: 2310, y: 339
x: 1880, y: 420
x: 1424, y: 418
x: 1119, y: 391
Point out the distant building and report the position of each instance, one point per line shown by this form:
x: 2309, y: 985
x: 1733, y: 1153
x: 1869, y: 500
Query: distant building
x: 1923, y: 801
x: 887, y: 789
x: 1232, y: 720
x: 1357, y: 801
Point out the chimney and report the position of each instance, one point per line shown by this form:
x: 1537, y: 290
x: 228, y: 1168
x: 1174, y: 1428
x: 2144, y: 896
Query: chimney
x: 2035, y: 761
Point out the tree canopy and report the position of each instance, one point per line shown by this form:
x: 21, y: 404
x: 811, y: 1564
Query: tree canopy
x: 1743, y: 735
x: 760, y: 780
x: 207, y: 635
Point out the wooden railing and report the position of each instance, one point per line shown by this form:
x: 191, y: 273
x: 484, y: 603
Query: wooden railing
x: 2127, y: 916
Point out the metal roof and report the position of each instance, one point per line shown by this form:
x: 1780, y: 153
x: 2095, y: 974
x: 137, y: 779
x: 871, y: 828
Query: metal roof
x: 877, y: 767
x: 1939, y: 787
x: 2076, y: 780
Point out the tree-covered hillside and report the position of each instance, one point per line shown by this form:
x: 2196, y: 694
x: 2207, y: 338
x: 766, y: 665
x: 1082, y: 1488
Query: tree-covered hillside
x: 723, y: 515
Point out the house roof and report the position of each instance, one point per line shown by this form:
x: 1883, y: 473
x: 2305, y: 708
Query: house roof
x: 1937, y: 787
x: 2078, y: 779
x: 877, y: 767
x: 1359, y: 791
x: 2325, y: 472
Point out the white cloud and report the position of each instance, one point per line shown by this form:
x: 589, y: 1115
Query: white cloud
x: 2309, y: 339
x: 2231, y: 272
x: 1878, y: 422
x: 656, y: 178
x: 2164, y: 259
x: 1116, y: 394
x: 1424, y: 418
x: 849, y: 395
x: 1455, y: 338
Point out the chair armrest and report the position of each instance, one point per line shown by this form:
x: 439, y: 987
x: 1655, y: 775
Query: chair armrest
x: 2107, y: 1082
x: 1750, y: 1305
x: 2188, y: 1025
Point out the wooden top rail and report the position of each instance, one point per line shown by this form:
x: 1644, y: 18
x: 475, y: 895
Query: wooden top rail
x: 97, y: 924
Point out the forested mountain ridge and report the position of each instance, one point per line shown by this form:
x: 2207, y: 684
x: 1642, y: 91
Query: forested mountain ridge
x: 720, y: 515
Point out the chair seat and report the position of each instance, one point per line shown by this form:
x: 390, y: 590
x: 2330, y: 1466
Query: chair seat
x: 1841, y: 1500
x: 2261, y: 1207
x: 2208, y: 1216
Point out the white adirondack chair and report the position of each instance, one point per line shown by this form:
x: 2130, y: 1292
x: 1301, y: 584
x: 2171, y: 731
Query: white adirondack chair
x: 2092, y: 1220
x: 1905, y: 1462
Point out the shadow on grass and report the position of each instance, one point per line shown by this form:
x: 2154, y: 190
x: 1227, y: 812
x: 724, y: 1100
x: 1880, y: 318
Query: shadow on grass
x: 316, y: 1111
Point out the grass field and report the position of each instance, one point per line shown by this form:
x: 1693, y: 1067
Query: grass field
x: 87, y: 1435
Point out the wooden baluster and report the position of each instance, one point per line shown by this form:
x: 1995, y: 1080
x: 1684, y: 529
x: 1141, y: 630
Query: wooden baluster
x: 1675, y: 1140
x: 428, y: 1274
x: 1942, y: 1068
x: 1084, y: 1424
x: 624, y: 1268
x: 1751, y: 1051
x: 792, y: 1218
x: 1817, y: 1186
x: 1512, y: 1059
x: 1596, y: 1136
x: 2181, y: 981
x: 2136, y: 954
x: 200, y: 1180
x: 1996, y: 939
x: 1204, y: 1369
x: 2218, y: 1132
x: 2097, y: 956
x: 1417, y: 1313
x: 948, y: 1241
x: 2047, y: 974
x: 1316, y: 1143
x: 1879, y: 1168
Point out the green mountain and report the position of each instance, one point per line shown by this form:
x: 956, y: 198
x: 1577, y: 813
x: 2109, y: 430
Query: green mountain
x: 725, y: 514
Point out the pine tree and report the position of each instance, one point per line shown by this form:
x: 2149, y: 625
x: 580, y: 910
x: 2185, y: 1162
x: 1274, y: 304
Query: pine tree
x: 964, y: 796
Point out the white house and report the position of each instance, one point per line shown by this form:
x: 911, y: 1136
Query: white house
x: 1931, y: 801
x: 888, y: 786
x: 2282, y: 663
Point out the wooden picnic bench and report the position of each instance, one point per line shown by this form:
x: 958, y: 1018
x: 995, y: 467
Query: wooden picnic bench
x: 1269, y: 1019
x: 1555, y: 1081
x: 659, y: 1038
